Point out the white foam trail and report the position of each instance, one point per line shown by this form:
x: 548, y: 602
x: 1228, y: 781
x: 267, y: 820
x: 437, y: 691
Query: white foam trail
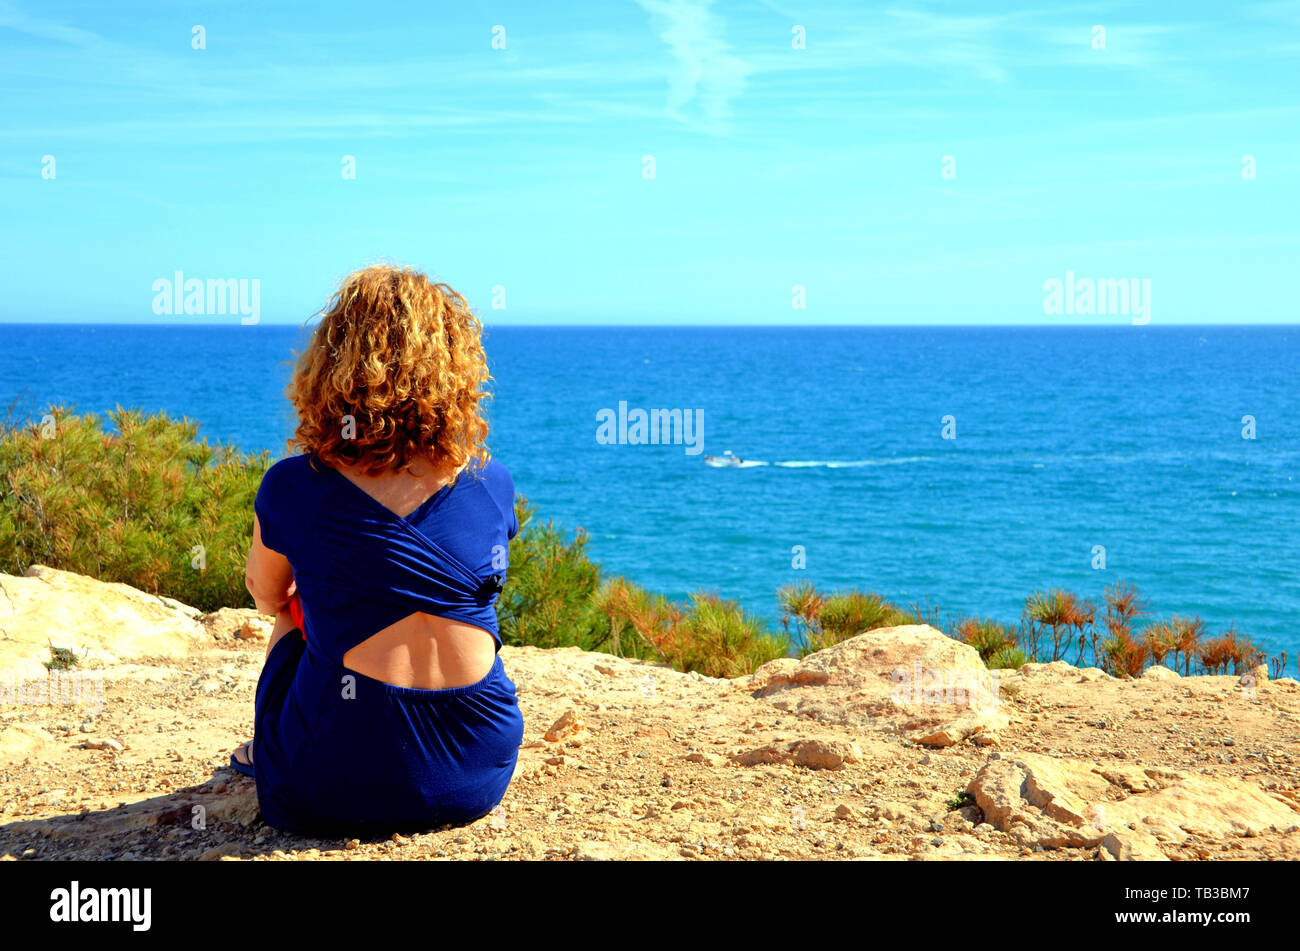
x: 851, y: 464
x: 829, y: 463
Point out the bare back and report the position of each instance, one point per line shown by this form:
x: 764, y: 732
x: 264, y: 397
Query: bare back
x: 421, y: 650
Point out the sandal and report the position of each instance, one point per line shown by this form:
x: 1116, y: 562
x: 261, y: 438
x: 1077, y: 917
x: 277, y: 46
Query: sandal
x: 239, y: 765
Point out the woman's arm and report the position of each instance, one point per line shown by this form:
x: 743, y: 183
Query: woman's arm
x: 268, y: 575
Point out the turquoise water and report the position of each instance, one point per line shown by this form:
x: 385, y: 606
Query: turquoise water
x: 1066, y: 439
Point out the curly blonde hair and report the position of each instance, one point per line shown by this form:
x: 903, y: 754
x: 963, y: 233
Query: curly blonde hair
x: 403, y: 357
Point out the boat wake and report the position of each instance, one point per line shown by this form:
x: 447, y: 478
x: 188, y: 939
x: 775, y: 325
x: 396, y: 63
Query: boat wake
x: 850, y: 464
x: 722, y: 463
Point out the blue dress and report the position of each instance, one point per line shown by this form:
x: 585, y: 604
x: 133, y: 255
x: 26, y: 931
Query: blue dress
x: 334, y: 751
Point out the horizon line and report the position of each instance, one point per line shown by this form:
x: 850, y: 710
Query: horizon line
x: 679, y: 326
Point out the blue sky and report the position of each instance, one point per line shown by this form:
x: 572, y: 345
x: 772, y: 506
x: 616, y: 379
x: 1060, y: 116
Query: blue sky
x: 523, y: 168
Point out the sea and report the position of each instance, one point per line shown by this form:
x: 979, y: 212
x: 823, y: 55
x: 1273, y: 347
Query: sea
x: 959, y: 468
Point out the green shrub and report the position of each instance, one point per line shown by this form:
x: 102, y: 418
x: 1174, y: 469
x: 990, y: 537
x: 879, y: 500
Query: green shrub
x: 987, y: 636
x: 1066, y: 615
x: 961, y: 800
x: 1005, y: 657
x: 551, y: 587
x: 641, y: 623
x: 848, y: 613
x: 554, y: 597
x: 800, y: 602
x: 824, y: 620
x: 710, y: 635
x: 147, y: 505
x: 62, y: 658
x: 720, y: 640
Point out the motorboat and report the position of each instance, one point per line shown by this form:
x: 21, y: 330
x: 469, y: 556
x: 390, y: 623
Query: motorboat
x: 727, y: 460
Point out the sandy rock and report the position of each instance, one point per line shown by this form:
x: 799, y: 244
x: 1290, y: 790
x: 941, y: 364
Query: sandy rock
x: 1057, y: 668
x: 892, y: 679
x: 963, y: 727
x: 19, y: 741
x: 96, y: 619
x: 237, y: 623
x: 566, y: 726
x: 1036, y: 791
x: 1058, y: 803
x: 812, y: 754
x: 824, y: 754
x: 188, y: 610
x: 1136, y: 845
x: 1160, y: 673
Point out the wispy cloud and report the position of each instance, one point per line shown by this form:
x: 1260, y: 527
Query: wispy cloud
x: 707, y: 76
x: 961, y: 43
x: 788, y: 14
x: 14, y: 19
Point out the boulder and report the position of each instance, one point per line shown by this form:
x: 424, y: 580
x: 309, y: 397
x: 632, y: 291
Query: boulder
x: 181, y: 606
x: 812, y: 754
x: 19, y: 741
x: 962, y: 728
x: 238, y: 624
x: 1060, y: 803
x: 99, y: 621
x: 912, y: 679
x: 1057, y: 668
x: 1160, y: 673
x: 566, y: 726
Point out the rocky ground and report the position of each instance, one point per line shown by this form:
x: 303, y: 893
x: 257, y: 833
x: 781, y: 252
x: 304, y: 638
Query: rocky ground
x: 851, y: 753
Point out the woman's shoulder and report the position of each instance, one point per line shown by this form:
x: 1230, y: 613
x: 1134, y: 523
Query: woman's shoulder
x: 290, y: 475
x: 494, y: 480
x: 282, y: 500
x: 495, y: 477
x: 499, y: 486
x: 297, y: 466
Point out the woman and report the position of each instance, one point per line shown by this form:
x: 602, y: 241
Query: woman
x: 384, y: 706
